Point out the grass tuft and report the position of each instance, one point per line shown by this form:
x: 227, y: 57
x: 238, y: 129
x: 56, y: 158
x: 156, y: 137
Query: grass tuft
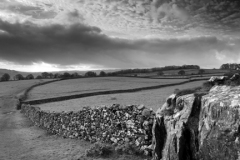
x: 99, y: 149
x: 113, y: 98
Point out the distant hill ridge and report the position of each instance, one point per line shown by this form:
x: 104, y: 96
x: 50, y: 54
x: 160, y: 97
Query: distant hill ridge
x: 7, y: 70
x: 10, y: 72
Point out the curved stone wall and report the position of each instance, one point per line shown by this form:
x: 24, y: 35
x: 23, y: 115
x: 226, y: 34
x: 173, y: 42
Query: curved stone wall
x: 116, y: 124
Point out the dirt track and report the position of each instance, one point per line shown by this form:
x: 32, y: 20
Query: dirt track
x: 19, y: 139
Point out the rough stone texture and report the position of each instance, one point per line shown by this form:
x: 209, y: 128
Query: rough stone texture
x: 179, y: 129
x: 219, y: 126
x: 192, y: 127
x: 217, y: 80
x: 119, y: 125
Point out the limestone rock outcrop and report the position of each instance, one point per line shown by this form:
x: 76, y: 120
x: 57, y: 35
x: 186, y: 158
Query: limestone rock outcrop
x: 196, y: 127
x: 219, y: 125
x: 176, y: 134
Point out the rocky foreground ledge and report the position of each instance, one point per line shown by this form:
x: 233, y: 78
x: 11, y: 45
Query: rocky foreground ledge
x: 196, y: 127
x: 187, y: 127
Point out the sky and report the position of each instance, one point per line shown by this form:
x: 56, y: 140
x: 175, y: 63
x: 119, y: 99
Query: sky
x: 55, y: 35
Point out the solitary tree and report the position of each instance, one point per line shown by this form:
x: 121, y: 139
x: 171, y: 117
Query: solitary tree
x: 5, y: 77
x: 18, y: 77
x: 160, y: 73
x: 30, y: 76
x: 181, y: 72
x: 201, y: 71
x: 45, y: 75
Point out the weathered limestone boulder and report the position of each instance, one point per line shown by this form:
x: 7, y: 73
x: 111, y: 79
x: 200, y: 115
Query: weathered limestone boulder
x: 219, y: 126
x: 176, y: 131
x: 195, y: 127
x: 217, y: 80
x: 235, y: 77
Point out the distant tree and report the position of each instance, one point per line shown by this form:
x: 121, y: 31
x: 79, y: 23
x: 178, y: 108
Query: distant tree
x: 90, y: 74
x: 66, y: 75
x: 201, y: 71
x: 102, y: 74
x: 160, y: 73
x: 57, y: 75
x: 39, y: 77
x: 18, y: 77
x: 75, y: 75
x: 50, y: 75
x: 30, y: 76
x: 112, y: 74
x: 45, y: 75
x: 181, y: 72
x: 5, y: 77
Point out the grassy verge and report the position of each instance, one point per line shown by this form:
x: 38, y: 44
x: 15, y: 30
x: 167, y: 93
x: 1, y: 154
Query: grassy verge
x: 22, y: 96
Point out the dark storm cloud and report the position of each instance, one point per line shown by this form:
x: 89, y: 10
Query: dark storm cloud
x: 26, y: 43
x: 80, y: 44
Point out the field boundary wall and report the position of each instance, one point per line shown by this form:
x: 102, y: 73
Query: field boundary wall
x: 69, y: 97
x: 118, y: 125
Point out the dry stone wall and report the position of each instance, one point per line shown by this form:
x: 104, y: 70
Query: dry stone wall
x: 119, y: 125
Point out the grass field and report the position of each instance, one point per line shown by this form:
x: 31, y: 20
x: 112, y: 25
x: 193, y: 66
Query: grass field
x: 151, y: 98
x: 87, y: 85
x: 6, y: 88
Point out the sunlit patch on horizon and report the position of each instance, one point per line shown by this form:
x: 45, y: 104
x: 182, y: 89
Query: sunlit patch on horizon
x: 42, y: 66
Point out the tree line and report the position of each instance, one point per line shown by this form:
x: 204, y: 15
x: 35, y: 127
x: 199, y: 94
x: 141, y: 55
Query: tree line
x: 156, y: 69
x: 6, y: 77
x: 47, y: 75
x: 233, y: 66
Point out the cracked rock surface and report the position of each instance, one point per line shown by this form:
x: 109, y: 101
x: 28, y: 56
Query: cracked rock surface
x: 219, y: 126
x: 194, y: 127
